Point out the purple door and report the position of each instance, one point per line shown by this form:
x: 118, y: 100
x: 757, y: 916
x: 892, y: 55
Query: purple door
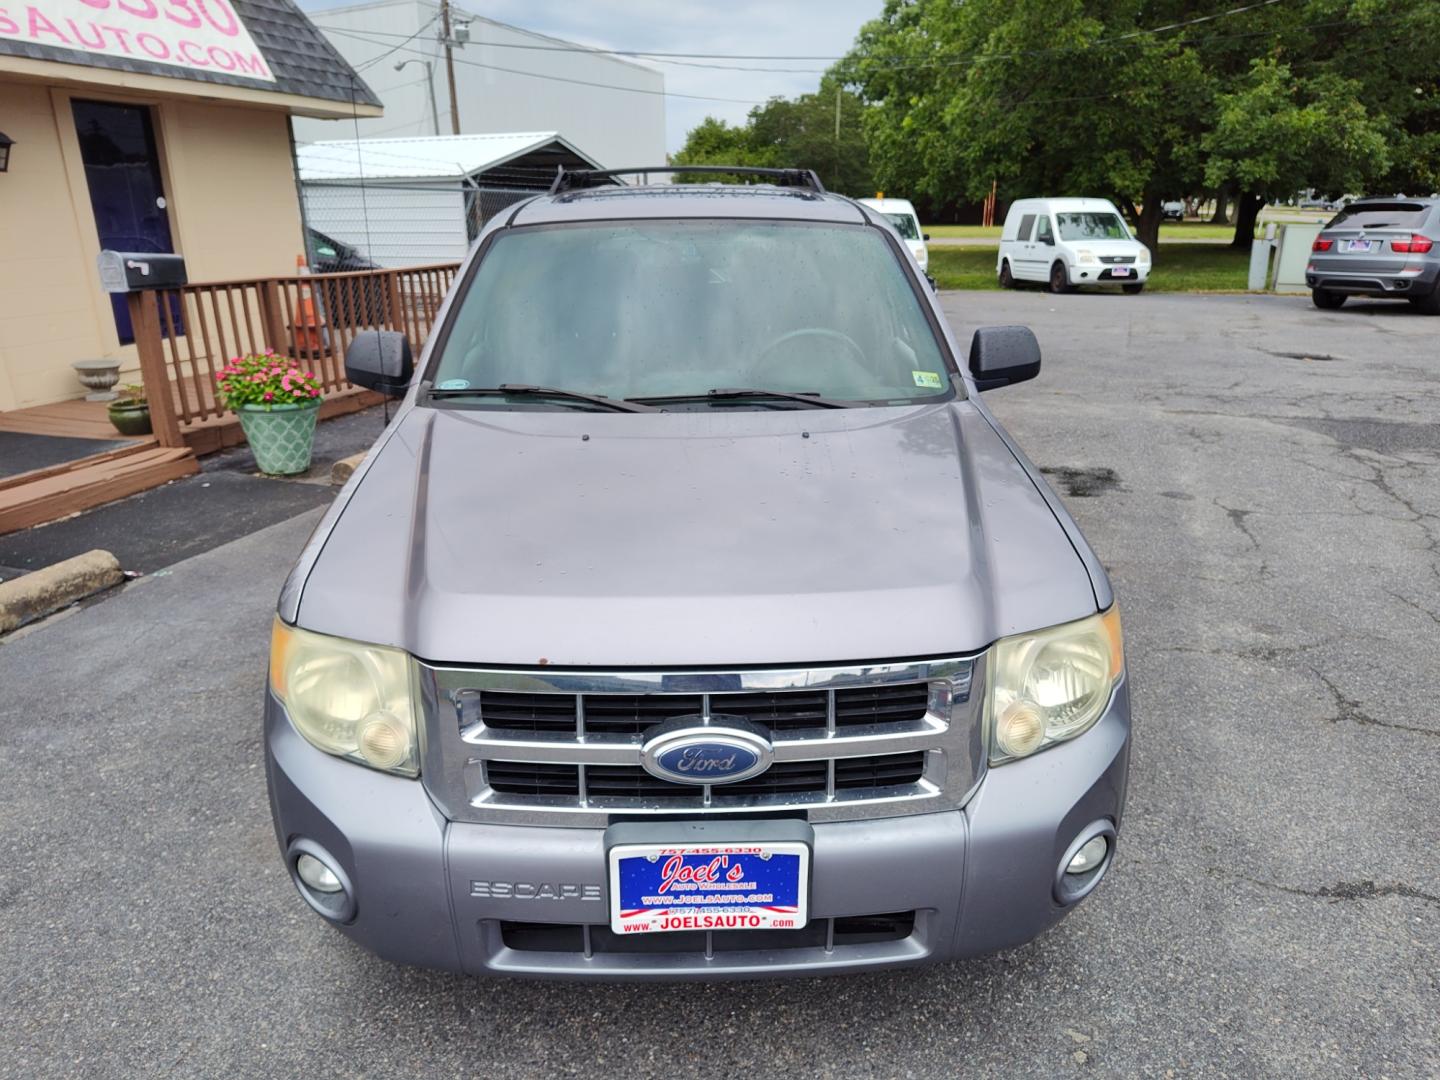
x: 122, y: 169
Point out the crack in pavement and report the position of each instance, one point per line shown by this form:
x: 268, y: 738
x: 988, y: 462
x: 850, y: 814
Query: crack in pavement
x: 1418, y: 607
x: 1237, y: 518
x: 1300, y: 355
x: 1348, y: 709
x: 1264, y: 653
x: 1364, y: 889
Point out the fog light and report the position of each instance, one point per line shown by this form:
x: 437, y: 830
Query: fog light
x: 1020, y: 729
x: 317, y: 875
x: 383, y: 743
x: 1089, y: 857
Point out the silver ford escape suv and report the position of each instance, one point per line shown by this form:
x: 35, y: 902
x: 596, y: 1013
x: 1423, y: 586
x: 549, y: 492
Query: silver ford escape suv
x: 694, y: 618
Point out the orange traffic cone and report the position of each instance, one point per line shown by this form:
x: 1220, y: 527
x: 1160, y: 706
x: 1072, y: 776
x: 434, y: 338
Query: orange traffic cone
x: 311, y: 336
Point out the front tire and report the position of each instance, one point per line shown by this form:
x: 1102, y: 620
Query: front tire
x: 1059, y: 278
x: 1007, y: 279
x: 1134, y: 287
x: 1326, y: 300
x: 1428, y: 304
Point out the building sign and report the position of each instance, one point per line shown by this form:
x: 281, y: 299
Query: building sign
x: 199, y: 35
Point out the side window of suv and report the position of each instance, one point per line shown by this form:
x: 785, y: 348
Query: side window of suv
x: 1026, y: 223
x: 1043, y: 234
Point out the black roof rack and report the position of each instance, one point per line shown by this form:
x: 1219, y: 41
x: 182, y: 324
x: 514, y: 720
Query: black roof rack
x: 572, y: 179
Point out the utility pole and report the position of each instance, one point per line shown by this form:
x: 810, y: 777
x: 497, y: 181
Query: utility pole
x: 450, y: 67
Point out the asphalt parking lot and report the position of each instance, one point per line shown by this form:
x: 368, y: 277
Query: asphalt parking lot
x: 1263, y: 481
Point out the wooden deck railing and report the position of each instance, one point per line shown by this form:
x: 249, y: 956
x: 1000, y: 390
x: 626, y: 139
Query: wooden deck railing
x: 186, y: 335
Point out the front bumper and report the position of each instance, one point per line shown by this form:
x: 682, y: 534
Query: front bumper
x: 473, y: 898
x: 1104, y: 274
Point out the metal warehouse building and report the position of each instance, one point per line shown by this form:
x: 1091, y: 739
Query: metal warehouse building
x: 506, y: 79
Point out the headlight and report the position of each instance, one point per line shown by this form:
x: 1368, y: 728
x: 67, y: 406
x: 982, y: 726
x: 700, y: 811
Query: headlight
x: 347, y: 698
x: 1052, y: 685
x: 1144, y: 256
x: 1086, y: 256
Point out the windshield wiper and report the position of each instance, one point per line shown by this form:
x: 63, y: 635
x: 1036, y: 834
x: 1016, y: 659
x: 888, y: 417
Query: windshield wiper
x: 518, y: 389
x: 735, y: 393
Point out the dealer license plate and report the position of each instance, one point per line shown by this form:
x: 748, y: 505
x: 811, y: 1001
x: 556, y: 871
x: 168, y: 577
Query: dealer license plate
x: 1359, y: 245
x: 656, y: 888
x: 1120, y: 271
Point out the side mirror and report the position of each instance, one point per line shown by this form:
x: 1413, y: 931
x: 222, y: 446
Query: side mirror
x: 925, y: 236
x: 380, y: 360
x: 1001, y: 355
x: 934, y: 285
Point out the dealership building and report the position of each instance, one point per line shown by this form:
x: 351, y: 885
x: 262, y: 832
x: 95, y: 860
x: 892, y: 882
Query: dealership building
x: 147, y: 129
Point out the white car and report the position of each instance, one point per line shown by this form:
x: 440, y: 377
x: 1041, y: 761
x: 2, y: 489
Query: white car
x: 907, y: 223
x: 1070, y: 242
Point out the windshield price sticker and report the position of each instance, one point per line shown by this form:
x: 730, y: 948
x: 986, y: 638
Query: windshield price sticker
x: 928, y: 379
x: 661, y: 888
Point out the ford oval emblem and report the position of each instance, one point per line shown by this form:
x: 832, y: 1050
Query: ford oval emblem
x: 697, y: 753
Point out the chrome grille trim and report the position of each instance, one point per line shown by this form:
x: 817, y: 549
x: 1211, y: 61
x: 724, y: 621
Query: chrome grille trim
x: 457, y: 743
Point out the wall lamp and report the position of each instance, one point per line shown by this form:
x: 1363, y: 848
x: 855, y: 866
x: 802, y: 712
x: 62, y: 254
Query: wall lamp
x: 5, y: 143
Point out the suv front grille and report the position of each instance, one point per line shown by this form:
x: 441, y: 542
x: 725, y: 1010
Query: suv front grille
x: 564, y: 748
x: 852, y: 775
x: 633, y: 714
x: 825, y: 934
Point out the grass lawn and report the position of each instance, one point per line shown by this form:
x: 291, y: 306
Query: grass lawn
x: 962, y: 231
x: 1178, y: 268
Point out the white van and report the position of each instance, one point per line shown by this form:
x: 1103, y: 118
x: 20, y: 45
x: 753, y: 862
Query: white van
x: 1069, y: 242
x: 907, y: 223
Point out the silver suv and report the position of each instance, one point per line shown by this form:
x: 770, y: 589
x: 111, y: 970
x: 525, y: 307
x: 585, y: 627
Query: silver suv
x: 693, y: 617
x: 1385, y: 248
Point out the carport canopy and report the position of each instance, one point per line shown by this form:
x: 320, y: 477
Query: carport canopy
x: 506, y: 158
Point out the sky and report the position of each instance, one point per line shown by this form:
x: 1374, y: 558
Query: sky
x: 747, y: 27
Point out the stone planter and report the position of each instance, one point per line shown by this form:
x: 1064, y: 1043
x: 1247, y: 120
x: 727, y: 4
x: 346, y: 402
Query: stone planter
x: 280, y: 436
x: 130, y: 417
x: 98, y: 376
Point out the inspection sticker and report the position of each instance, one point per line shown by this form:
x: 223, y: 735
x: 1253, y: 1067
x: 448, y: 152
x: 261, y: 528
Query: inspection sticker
x: 453, y: 384
x: 928, y: 379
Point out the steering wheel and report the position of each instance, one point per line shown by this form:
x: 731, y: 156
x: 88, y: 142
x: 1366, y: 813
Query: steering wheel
x: 813, y: 331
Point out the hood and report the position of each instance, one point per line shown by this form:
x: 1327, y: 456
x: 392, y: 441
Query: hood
x: 700, y: 538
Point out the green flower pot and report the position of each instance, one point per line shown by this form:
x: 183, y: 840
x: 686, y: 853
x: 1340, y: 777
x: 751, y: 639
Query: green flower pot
x: 130, y: 418
x: 280, y: 436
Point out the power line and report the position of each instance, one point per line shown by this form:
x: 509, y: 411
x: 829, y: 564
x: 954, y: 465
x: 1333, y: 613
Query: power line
x: 663, y: 56
x: 360, y: 36
x: 376, y: 59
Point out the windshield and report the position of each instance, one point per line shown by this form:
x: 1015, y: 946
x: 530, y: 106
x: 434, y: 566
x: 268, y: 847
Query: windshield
x: 905, y: 226
x: 1092, y: 225
x: 640, y: 309
x: 1395, y: 215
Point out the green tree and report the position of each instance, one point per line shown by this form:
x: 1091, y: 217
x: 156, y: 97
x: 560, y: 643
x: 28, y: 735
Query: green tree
x: 714, y: 142
x: 1274, y: 134
x: 1076, y: 97
x: 792, y: 133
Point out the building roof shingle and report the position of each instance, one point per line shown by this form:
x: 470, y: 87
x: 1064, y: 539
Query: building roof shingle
x: 302, y: 61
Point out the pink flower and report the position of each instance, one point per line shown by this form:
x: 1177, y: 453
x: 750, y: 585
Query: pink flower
x: 269, y: 396
x: 257, y: 378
